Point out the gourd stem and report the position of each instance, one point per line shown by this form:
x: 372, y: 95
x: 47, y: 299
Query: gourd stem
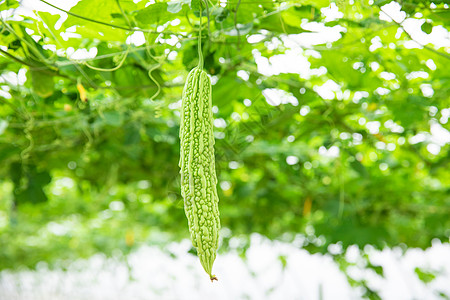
x: 200, y: 54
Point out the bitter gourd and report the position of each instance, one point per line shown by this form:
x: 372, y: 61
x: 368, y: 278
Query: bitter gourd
x: 197, y: 167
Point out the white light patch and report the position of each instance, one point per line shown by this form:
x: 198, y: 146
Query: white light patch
x: 394, y: 127
x: 82, y: 54
x: 273, y: 44
x: 143, y: 184
x: 57, y: 229
x: 219, y: 135
x: 172, y: 55
x: 432, y: 110
x: 5, y: 94
x: 236, y: 116
x: 344, y: 135
x: 175, y: 22
x: 172, y: 41
x: 13, y: 78
x: 427, y: 90
x: 331, y: 13
x: 373, y: 127
x: 358, y: 95
x: 255, y: 38
x: 225, y: 185
x: 326, y: 91
x: 391, y: 147
x: 305, y: 110
x: 233, y: 165
x: 382, y: 91
x: 398, y: 34
x: 214, y: 79
x: 362, y: 121
x: 276, y: 97
x: 244, y: 75
x: 394, y: 11
x: 291, y: 160
x: 430, y: 64
x: 220, y: 123
x: 417, y: 74
x: 68, y: 35
x: 388, y: 75
x: 383, y: 166
x: 292, y: 61
x: 320, y: 34
x: 49, y: 47
x: 433, y: 149
x: 357, y: 138
x: 357, y: 65
x: 376, y: 43
x: 439, y: 135
x: 374, y: 66
x: 380, y: 145
x: 332, y: 152
x: 317, y: 72
x: 175, y: 105
x: 445, y: 114
x: 3, y: 125
x: 439, y: 36
x: 418, y: 138
x: 116, y: 206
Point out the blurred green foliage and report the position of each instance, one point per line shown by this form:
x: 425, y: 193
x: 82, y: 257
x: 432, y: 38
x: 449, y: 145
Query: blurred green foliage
x: 89, y: 147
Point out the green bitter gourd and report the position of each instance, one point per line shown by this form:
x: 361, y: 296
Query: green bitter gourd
x: 198, y: 174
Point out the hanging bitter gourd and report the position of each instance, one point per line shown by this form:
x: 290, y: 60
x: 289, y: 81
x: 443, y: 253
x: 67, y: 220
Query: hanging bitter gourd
x: 198, y: 174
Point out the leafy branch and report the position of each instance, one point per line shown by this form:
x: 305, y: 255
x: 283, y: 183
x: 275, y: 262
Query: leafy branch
x: 400, y: 24
x: 108, y: 24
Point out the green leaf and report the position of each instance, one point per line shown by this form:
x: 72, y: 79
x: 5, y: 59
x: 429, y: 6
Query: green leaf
x: 242, y: 29
x: 441, y: 15
x: 195, y: 5
x: 49, y: 19
x: 42, y: 83
x: 317, y: 3
x: 113, y: 118
x: 382, y: 2
x: 32, y: 190
x: 220, y: 13
x: 427, y: 27
x: 132, y: 134
x: 283, y: 261
x: 104, y: 11
x: 175, y: 6
x: 8, y: 4
x: 288, y: 21
x: 291, y: 17
x: 154, y: 14
x: 424, y: 276
x: 15, y: 173
x: 358, y: 167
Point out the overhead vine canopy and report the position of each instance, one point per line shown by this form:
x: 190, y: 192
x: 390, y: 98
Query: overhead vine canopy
x: 330, y: 122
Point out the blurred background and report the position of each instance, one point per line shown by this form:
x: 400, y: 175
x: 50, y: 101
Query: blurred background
x: 332, y: 148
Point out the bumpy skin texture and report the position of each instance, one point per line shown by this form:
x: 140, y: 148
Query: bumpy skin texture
x: 198, y: 172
